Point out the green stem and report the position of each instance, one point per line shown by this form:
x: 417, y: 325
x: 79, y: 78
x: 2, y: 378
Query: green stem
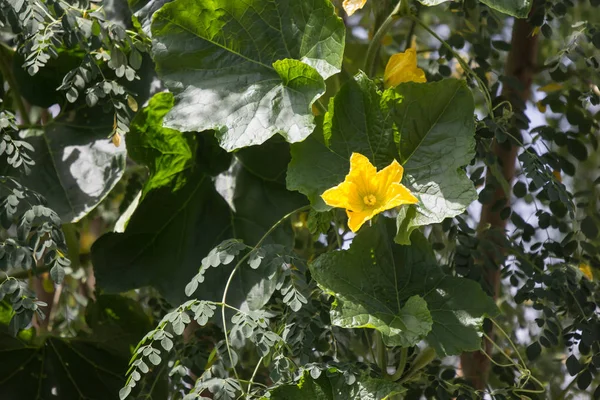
x: 423, y: 359
x: 462, y: 62
x: 230, y: 279
x: 381, y: 353
x: 321, y: 107
x: 373, y: 50
x: 251, y: 381
x: 401, y: 365
x: 6, y: 70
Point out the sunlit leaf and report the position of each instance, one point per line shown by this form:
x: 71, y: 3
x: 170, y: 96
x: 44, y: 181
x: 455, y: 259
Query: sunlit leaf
x: 246, y: 69
x: 377, y: 285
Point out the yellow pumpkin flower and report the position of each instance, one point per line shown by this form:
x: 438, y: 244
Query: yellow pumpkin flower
x: 402, y: 67
x: 351, y: 6
x: 366, y: 192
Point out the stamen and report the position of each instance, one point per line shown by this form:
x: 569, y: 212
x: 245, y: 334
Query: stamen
x: 370, y: 200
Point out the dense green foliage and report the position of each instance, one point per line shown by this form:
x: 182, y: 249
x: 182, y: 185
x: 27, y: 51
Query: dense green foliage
x: 163, y: 234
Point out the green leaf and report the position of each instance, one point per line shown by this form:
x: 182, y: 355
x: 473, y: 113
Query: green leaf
x: 165, y: 239
x: 359, y: 120
x: 377, y: 285
x: 167, y: 152
x: 76, y: 165
x: 437, y: 140
x: 334, y: 387
x: 90, y: 366
x: 177, y: 223
x: 246, y: 69
x: 516, y: 8
x: 432, y: 2
x: 143, y: 10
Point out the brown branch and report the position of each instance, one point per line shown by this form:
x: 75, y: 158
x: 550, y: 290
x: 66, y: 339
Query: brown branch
x: 521, y: 64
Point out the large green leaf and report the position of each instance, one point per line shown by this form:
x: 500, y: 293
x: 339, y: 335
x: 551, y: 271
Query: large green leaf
x: 76, y: 165
x: 359, y: 120
x: 165, y: 239
x: 248, y: 69
x: 166, y: 152
x: 516, y: 8
x: 437, y: 140
x: 334, y: 387
x: 377, y: 285
x: 90, y: 366
x: 182, y: 217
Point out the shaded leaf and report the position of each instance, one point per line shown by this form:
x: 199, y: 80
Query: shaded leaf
x: 87, y: 367
x: 335, y: 387
x: 436, y: 140
x: 516, y: 8
x: 76, y: 165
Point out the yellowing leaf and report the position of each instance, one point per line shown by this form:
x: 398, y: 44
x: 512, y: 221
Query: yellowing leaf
x: 116, y: 139
x: 132, y: 103
x: 551, y: 87
x: 352, y: 6
x: 541, y: 107
x: 402, y: 67
x: 586, y: 270
x: 366, y: 192
x: 557, y: 175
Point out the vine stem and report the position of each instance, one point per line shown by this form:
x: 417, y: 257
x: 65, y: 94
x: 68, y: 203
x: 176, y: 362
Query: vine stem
x: 321, y: 107
x: 381, y: 353
x: 465, y: 66
x: 251, y: 381
x: 237, y: 266
x: 401, y: 365
x: 375, y: 44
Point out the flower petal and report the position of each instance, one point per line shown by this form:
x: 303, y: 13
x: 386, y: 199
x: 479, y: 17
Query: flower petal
x: 402, y: 67
x: 362, y: 174
x: 397, y: 195
x: 358, y: 218
x: 338, y: 196
x: 351, y: 6
x: 390, y: 174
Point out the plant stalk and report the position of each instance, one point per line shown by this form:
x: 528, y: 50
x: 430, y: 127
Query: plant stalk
x: 373, y: 49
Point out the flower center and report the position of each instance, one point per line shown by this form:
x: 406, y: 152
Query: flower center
x: 370, y: 200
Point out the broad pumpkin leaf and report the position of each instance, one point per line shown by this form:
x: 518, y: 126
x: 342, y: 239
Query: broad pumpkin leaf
x: 334, y: 387
x: 436, y: 141
x: 181, y: 219
x: 166, y: 152
x: 143, y: 10
x: 359, y: 119
x: 516, y: 8
x: 165, y: 239
x: 377, y: 285
x: 90, y: 366
x: 248, y: 69
x: 76, y: 165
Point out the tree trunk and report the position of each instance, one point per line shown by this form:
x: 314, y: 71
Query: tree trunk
x: 521, y: 64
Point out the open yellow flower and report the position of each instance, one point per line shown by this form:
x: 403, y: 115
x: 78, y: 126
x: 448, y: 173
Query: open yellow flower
x: 366, y: 192
x: 402, y: 67
x: 351, y: 6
